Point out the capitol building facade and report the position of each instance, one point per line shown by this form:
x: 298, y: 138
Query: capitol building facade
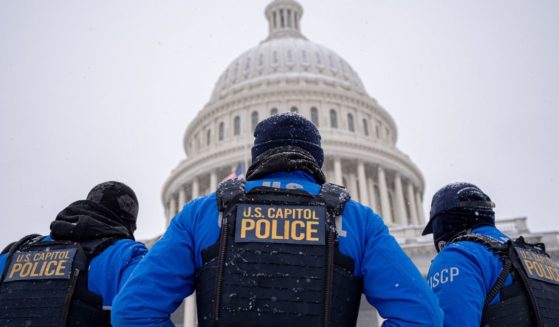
x: 289, y: 73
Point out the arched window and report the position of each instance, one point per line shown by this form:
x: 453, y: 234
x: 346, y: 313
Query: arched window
x: 289, y: 57
x: 197, y: 141
x: 294, y: 109
x: 365, y: 127
x: 208, y: 136
x: 318, y: 60
x: 350, y: 124
x: 377, y: 131
x: 333, y: 118
x: 273, y: 111
x: 254, y: 119
x: 237, y: 126
x: 247, y: 65
x: 221, y: 131
x: 314, y: 116
x: 304, y: 57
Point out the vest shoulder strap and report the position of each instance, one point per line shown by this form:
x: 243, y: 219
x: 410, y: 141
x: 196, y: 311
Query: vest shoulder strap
x: 335, y: 197
x: 227, y: 191
x: 94, y: 247
x: 499, y: 249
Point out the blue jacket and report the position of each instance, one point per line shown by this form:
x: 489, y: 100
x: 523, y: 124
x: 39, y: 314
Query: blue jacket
x: 165, y: 277
x: 110, y: 269
x: 462, y: 274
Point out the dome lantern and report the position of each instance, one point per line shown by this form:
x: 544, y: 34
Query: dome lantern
x: 284, y: 18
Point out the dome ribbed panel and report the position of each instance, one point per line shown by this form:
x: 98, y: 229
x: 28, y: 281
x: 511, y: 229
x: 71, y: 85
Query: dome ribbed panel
x: 287, y: 55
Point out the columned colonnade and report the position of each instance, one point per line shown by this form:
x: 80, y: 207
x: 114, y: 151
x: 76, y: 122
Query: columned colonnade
x: 386, y: 191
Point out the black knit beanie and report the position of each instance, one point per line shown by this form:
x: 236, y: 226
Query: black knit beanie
x: 287, y: 129
x: 119, y: 198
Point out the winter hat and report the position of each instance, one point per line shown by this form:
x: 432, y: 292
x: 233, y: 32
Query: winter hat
x: 118, y: 198
x: 456, y: 208
x: 287, y: 129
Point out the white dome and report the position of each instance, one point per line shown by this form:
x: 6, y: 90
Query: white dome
x: 277, y: 57
x: 288, y: 73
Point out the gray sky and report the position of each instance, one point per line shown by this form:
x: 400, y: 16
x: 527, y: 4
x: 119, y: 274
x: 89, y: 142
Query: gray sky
x: 99, y: 90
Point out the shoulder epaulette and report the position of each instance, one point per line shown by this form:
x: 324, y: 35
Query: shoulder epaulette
x: 94, y: 247
x: 227, y: 191
x: 335, y: 197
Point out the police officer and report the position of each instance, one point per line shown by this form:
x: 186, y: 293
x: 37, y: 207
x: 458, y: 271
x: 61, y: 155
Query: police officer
x: 70, y: 277
x: 283, y: 248
x: 481, y: 276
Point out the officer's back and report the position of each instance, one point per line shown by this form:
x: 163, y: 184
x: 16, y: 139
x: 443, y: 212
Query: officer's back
x: 70, y: 277
x: 282, y: 248
x: 480, y: 274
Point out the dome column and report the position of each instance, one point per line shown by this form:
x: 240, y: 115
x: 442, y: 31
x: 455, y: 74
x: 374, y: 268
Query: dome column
x: 400, y: 211
x: 352, y: 180
x: 413, y: 208
x: 195, y: 188
x: 213, y: 181
x: 190, y: 312
x: 172, y: 207
x: 182, y: 198
x: 419, y: 205
x: 338, y: 171
x: 371, y: 189
x: 362, y: 177
x: 384, y: 202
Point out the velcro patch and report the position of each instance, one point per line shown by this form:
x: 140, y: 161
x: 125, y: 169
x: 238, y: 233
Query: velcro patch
x: 34, y: 265
x: 280, y: 224
x: 538, y: 266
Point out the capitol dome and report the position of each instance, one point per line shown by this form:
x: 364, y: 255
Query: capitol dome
x: 289, y: 73
x: 279, y: 57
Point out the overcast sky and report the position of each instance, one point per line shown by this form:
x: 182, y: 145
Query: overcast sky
x: 104, y: 90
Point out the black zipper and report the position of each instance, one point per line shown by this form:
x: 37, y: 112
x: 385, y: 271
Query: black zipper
x: 220, y: 265
x: 329, y: 278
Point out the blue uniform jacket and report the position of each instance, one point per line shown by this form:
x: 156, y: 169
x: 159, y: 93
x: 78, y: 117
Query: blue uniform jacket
x: 166, y: 275
x: 110, y: 269
x: 462, y: 274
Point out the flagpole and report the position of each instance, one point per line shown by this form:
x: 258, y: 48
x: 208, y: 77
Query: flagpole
x: 245, y: 145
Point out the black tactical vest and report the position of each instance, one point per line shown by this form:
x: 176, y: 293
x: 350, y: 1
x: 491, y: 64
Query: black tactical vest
x: 44, y: 283
x: 533, y: 297
x: 277, y: 261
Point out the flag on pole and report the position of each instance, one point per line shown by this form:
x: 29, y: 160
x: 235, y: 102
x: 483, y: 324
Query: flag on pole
x: 239, y: 173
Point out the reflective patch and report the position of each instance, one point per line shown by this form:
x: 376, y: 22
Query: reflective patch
x: 538, y: 266
x: 34, y: 265
x: 446, y: 275
x: 280, y: 224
